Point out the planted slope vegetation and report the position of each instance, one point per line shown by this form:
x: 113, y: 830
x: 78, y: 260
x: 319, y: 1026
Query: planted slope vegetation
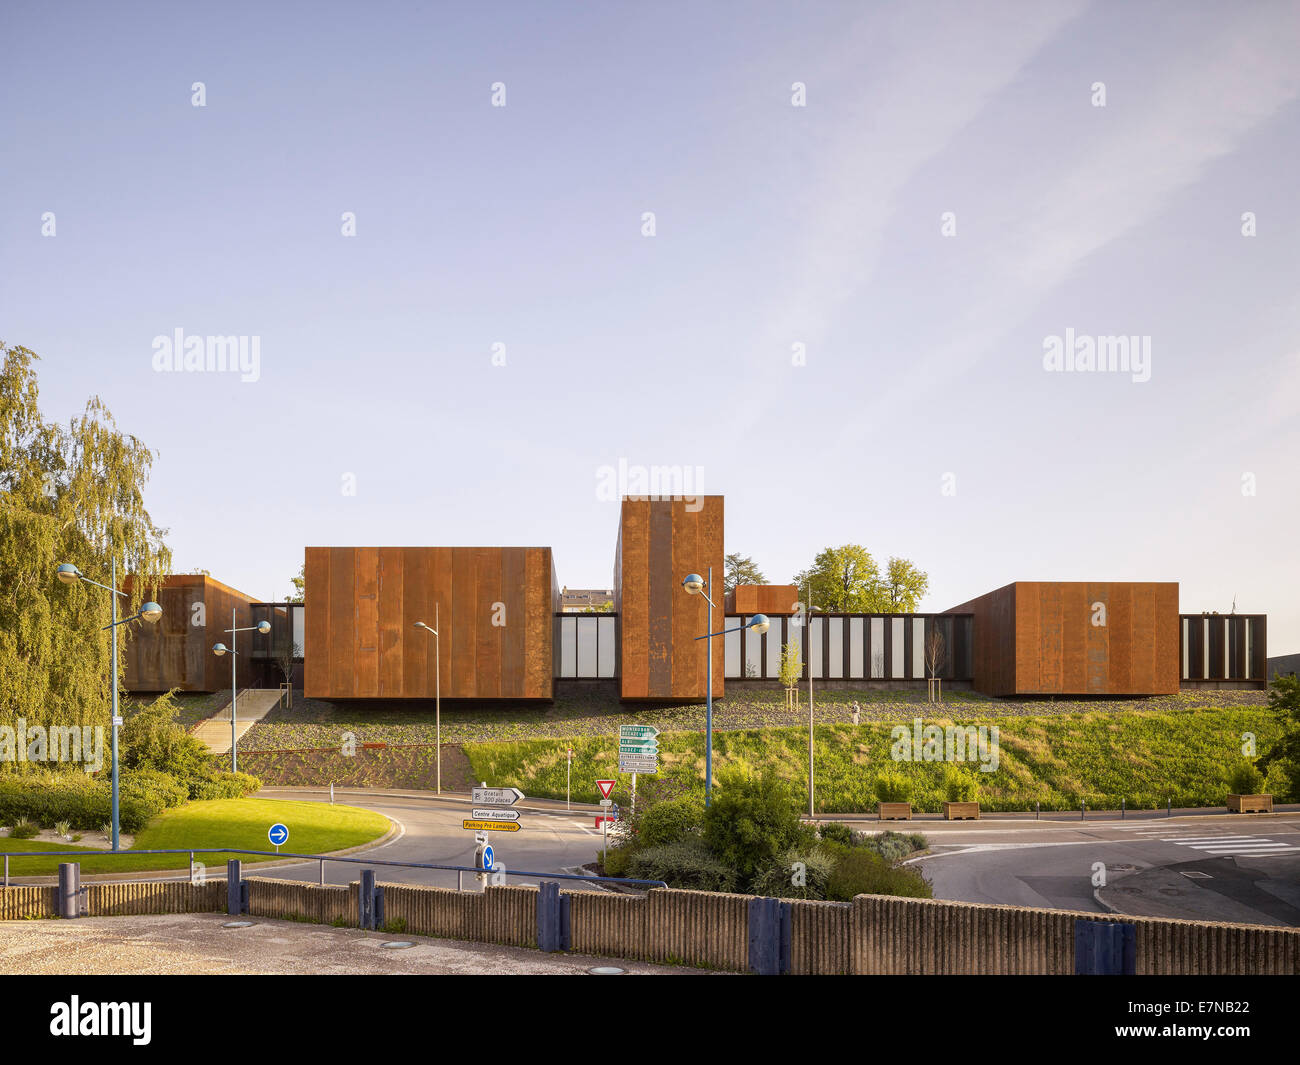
x: 1142, y: 757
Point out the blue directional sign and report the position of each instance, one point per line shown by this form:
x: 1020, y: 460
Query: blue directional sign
x: 279, y: 835
x: 487, y: 858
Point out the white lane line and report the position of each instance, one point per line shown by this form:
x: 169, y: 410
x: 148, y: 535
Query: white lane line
x: 1215, y: 839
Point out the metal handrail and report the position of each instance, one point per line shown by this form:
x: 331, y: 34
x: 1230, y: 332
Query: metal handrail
x: 322, y: 858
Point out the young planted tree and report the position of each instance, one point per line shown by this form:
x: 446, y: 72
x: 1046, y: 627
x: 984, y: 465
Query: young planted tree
x: 67, y: 494
x: 791, y: 670
x: 936, y: 655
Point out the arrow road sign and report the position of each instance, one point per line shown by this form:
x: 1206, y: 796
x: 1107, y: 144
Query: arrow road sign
x: 636, y: 732
x: 487, y: 857
x: 606, y: 786
x: 627, y: 748
x: 497, y: 815
x: 495, y: 796
x: 491, y: 826
x: 278, y: 834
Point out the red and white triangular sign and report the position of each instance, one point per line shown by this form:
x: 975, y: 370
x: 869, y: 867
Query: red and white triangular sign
x: 606, y: 786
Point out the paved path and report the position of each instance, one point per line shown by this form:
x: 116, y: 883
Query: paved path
x: 195, y: 943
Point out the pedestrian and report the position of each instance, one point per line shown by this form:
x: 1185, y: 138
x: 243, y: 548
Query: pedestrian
x: 857, y: 712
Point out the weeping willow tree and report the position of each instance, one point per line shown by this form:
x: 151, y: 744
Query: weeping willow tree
x: 67, y: 494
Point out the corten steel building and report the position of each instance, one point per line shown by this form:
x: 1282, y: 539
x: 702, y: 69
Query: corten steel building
x: 177, y: 652
x: 505, y: 634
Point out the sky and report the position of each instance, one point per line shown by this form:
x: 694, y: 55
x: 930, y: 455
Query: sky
x: 816, y: 255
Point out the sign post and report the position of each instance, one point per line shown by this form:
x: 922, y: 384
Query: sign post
x: 638, y: 749
x: 278, y: 834
x: 568, y: 778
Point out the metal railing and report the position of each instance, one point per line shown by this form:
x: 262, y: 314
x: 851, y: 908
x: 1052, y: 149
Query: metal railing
x: 459, y: 870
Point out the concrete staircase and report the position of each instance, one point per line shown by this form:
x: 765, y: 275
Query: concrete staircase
x: 254, y: 704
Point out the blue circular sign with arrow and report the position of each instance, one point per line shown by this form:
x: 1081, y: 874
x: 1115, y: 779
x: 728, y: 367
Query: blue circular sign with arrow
x: 279, y: 835
x: 487, y: 858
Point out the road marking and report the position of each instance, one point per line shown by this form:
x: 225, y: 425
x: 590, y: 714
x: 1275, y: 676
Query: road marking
x: 1245, y: 846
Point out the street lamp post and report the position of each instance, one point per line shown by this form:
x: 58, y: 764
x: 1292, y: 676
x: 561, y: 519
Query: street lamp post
x: 150, y: 612
x: 437, y: 690
x: 808, y: 657
x: 220, y: 649
x: 696, y: 585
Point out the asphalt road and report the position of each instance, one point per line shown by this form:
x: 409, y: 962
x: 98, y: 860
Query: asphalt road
x: 1217, y: 867
x: 549, y: 840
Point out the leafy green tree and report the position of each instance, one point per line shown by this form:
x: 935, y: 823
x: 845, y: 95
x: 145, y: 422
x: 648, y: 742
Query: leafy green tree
x: 844, y: 579
x: 905, y: 586
x: 848, y: 579
x: 299, y: 585
x: 740, y: 569
x: 74, y: 494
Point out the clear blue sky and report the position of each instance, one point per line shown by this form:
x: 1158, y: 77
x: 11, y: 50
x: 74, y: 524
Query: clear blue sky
x: 775, y: 225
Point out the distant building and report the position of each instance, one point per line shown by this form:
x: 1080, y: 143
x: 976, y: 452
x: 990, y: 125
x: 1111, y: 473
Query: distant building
x: 576, y: 600
x: 1283, y: 665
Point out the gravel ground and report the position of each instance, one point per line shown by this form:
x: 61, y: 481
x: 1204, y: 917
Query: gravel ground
x: 197, y: 943
x: 318, y: 723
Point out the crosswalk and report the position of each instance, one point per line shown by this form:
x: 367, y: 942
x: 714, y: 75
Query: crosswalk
x: 1195, y: 838
x: 1228, y: 846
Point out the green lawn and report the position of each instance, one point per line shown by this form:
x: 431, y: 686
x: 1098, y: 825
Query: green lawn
x: 314, y: 828
x: 1100, y: 756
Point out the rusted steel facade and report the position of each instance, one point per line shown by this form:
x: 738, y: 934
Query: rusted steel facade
x: 1076, y: 638
x: 774, y: 600
x: 177, y: 651
x: 660, y: 541
x: 495, y: 606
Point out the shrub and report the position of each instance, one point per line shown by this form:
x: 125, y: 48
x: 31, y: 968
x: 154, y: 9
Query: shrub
x: 669, y: 821
x: 24, y: 829
x: 860, y: 872
x: 685, y: 864
x: 892, y: 845
x: 1245, y: 779
x: 74, y: 797
x: 893, y: 786
x: 617, y: 860
x: 752, y: 821
x: 835, y: 832
x: 225, y: 786
x: 778, y: 879
x: 960, y: 785
x: 154, y: 787
x: 63, y: 829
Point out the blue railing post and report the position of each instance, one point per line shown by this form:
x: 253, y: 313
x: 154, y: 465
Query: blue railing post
x: 551, y: 913
x: 234, y: 888
x: 769, y: 936
x: 1105, y: 948
x: 69, y: 889
x: 366, y: 899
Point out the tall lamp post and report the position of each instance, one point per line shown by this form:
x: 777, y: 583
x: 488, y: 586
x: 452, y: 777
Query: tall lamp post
x: 150, y: 612
x: 220, y: 649
x: 696, y: 585
x: 437, y: 690
x: 808, y: 609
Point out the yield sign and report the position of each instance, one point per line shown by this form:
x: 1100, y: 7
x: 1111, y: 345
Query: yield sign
x: 606, y: 786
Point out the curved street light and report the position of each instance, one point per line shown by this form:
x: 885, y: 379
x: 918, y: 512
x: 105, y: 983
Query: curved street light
x: 220, y: 650
x: 437, y: 691
x: 67, y: 573
x: 759, y: 624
